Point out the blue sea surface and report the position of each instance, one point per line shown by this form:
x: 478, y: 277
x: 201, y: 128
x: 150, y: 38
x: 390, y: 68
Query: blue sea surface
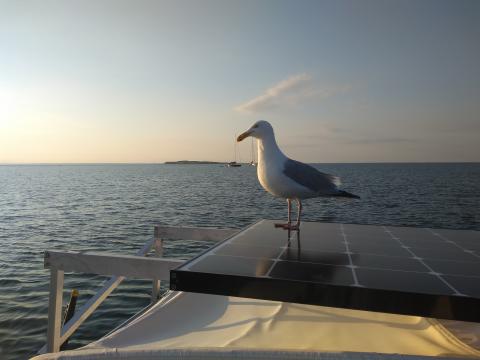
x: 114, y: 207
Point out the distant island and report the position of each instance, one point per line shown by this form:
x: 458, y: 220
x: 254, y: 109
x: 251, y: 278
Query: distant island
x: 191, y: 162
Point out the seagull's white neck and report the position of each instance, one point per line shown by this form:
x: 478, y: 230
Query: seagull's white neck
x: 268, y: 150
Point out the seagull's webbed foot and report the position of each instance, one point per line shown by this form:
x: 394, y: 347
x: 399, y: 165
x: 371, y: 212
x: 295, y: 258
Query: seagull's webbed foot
x: 288, y: 226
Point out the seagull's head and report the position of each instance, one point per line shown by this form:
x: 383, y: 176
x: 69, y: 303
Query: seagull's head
x: 259, y: 130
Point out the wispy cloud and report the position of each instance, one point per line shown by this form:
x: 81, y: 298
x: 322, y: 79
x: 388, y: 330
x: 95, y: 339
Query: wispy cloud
x: 289, y: 92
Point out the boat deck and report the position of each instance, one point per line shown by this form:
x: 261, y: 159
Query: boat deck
x: 431, y: 273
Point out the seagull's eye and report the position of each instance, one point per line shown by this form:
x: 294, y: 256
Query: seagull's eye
x: 255, y: 126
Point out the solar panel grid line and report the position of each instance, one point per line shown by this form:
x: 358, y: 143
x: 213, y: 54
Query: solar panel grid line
x: 447, y: 240
x: 349, y: 254
x: 466, y: 276
x: 267, y: 274
x: 431, y: 271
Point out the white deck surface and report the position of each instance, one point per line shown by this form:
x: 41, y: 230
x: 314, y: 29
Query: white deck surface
x: 199, y: 326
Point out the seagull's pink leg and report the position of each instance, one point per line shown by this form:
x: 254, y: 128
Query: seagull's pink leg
x: 297, y: 224
x: 288, y: 225
x: 289, y: 217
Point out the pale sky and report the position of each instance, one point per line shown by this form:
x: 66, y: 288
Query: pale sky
x: 152, y: 81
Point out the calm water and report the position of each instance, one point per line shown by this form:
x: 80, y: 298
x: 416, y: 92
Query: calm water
x: 114, y: 207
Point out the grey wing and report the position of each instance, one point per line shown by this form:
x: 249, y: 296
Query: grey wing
x: 310, y: 177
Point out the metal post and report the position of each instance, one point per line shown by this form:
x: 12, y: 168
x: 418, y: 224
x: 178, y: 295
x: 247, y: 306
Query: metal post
x: 158, y: 246
x: 55, y: 310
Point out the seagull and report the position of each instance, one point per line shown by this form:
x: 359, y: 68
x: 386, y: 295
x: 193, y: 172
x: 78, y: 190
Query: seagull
x: 287, y: 178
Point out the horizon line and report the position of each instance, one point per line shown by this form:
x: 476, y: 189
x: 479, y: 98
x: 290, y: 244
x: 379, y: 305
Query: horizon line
x: 226, y: 162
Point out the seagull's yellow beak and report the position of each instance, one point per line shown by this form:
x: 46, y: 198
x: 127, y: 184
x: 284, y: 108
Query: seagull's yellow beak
x: 244, y: 135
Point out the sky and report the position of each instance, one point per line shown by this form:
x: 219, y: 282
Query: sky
x: 153, y: 81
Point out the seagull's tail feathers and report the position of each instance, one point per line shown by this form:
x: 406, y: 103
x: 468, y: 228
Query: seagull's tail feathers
x: 343, y: 193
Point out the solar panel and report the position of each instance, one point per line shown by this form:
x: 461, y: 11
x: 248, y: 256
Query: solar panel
x: 411, y: 271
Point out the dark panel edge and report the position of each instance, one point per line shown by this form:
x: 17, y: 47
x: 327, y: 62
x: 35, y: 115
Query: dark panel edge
x: 347, y: 297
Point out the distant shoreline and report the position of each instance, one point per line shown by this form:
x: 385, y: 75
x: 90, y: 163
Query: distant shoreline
x: 191, y: 162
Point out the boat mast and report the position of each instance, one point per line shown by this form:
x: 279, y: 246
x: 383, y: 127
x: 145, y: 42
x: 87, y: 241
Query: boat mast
x: 253, y: 162
x: 235, y: 148
x: 253, y: 154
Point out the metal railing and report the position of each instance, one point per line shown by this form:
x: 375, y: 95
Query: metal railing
x: 120, y: 267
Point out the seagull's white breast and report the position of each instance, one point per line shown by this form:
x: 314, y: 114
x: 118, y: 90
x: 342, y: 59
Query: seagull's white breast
x: 270, y: 174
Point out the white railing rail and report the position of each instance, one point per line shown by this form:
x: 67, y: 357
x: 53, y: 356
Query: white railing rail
x: 120, y: 266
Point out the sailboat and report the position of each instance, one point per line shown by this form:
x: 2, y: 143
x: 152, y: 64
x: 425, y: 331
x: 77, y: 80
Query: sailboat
x: 234, y: 163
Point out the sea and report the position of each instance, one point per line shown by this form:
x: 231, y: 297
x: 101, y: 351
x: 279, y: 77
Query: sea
x: 114, y: 207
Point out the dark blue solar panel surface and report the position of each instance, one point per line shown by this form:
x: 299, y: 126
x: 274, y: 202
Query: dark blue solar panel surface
x: 427, y: 272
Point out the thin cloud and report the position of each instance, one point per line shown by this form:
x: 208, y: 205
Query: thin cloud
x: 288, y: 92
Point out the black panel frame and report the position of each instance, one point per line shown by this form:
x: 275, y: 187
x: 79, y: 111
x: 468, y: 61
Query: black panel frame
x: 348, y: 297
